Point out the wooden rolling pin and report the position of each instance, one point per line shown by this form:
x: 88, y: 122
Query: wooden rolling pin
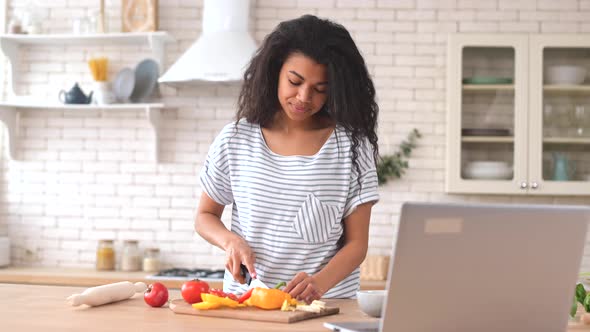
x: 109, y: 293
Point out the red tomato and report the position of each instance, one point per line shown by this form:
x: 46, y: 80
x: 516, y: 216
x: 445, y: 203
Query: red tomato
x: 156, y: 295
x: 217, y: 292
x: 191, y: 290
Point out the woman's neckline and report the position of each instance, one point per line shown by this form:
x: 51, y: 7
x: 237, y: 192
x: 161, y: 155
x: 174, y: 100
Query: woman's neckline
x: 332, y: 134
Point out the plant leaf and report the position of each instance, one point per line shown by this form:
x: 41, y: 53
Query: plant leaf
x: 394, y: 166
x: 574, y: 308
x: 587, y: 303
x: 580, y: 293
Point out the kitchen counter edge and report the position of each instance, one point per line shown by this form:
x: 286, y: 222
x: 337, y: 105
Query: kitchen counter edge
x: 89, y: 277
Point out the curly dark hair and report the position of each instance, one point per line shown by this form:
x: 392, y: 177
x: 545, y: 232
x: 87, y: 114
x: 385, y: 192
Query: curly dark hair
x: 351, y: 95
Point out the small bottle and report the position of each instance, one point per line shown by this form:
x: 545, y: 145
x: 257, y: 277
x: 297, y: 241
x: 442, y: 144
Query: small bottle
x: 105, y: 255
x: 131, y: 259
x: 151, y: 260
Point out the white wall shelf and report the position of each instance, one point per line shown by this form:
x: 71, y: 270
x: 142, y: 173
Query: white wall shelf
x: 11, y: 43
x: 89, y: 39
x: 9, y: 115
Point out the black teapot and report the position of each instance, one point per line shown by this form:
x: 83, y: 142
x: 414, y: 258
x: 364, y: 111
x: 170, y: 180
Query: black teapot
x: 75, y: 96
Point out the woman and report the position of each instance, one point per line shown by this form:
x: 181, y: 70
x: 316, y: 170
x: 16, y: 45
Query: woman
x: 298, y: 165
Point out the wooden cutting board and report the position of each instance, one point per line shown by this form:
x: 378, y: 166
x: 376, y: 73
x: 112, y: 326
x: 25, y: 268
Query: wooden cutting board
x: 179, y: 306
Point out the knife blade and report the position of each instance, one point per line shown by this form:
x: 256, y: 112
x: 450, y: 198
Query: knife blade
x: 252, y: 282
x: 257, y: 283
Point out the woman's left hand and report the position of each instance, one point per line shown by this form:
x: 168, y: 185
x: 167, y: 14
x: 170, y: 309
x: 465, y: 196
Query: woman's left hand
x: 304, y: 287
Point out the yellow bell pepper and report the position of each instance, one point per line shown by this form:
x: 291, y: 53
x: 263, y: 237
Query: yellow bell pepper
x: 206, y: 305
x: 224, y: 301
x: 267, y: 298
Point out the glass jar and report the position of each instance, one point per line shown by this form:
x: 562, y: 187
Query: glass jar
x: 131, y: 259
x: 15, y: 26
x: 105, y: 255
x: 151, y: 260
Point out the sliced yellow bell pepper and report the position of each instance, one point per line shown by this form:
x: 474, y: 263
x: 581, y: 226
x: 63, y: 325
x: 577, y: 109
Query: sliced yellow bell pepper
x: 206, y: 305
x: 225, y: 301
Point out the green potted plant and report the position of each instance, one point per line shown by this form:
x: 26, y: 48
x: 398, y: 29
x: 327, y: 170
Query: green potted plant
x: 394, y: 166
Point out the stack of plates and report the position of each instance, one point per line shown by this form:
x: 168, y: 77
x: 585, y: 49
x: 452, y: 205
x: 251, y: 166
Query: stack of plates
x: 136, y: 85
x: 487, y: 170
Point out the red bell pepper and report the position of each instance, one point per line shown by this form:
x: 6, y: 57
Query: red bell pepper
x: 245, y: 296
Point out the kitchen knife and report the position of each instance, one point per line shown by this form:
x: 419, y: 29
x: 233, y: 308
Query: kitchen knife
x: 252, y: 282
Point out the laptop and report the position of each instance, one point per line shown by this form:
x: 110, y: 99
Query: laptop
x: 485, y: 268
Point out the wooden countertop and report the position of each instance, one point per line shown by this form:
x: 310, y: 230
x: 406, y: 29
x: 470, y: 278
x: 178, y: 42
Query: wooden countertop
x: 89, y: 277
x: 34, y: 308
x: 37, y: 308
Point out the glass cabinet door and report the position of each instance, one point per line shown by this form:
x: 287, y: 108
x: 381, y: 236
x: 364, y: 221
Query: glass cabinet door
x: 487, y: 114
x: 560, y: 105
x: 487, y: 119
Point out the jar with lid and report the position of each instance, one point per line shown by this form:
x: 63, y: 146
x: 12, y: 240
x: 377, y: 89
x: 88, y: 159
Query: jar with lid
x: 105, y: 255
x: 151, y: 260
x: 131, y: 259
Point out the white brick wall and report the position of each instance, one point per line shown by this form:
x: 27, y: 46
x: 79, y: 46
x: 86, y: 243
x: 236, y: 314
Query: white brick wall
x: 88, y: 175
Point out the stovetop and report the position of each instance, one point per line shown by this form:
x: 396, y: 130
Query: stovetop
x: 187, y: 274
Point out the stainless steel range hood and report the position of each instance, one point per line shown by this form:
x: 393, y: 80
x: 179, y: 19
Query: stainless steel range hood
x: 223, y: 50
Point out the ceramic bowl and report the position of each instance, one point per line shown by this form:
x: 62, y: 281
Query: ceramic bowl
x: 371, y: 301
x: 487, y: 164
x: 565, y: 74
x: 488, y: 170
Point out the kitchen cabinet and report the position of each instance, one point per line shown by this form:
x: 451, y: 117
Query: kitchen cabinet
x: 517, y: 123
x: 10, y: 109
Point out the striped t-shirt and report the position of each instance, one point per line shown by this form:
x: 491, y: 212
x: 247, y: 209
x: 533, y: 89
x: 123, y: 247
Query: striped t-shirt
x: 289, y: 209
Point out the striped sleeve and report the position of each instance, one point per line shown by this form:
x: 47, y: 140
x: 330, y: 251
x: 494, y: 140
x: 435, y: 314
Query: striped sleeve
x: 367, y: 191
x: 215, y: 175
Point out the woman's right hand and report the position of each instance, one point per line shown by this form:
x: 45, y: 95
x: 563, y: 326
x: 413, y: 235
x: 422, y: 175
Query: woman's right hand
x: 239, y: 252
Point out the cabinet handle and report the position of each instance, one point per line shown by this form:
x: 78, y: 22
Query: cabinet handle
x: 523, y: 185
x: 534, y: 185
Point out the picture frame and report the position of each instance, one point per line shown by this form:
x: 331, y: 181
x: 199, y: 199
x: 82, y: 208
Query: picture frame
x: 139, y: 15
